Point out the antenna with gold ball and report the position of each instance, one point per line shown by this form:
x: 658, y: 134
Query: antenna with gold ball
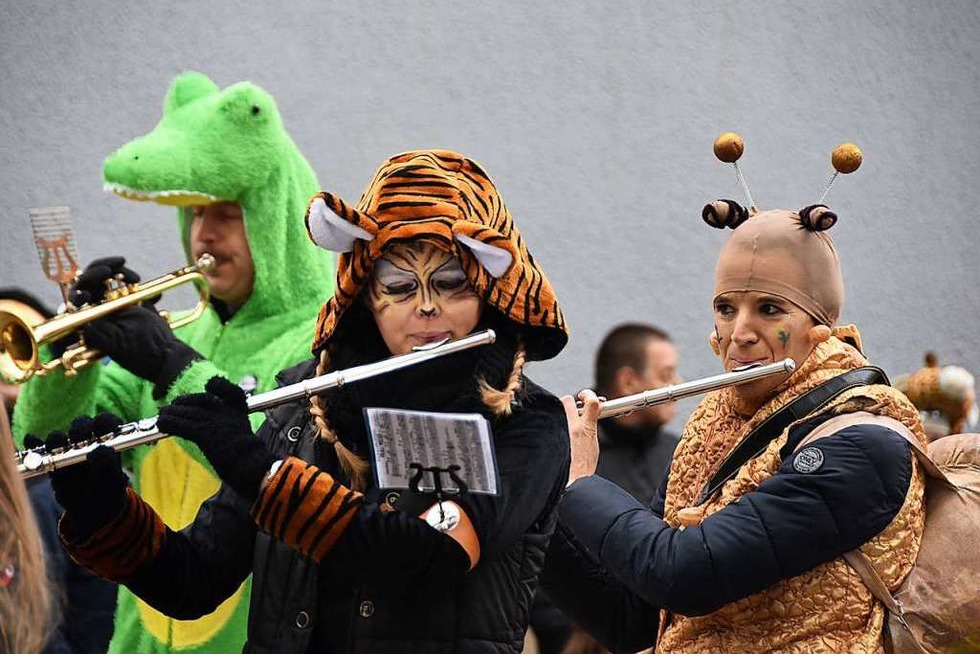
x: 729, y: 148
x: 845, y: 159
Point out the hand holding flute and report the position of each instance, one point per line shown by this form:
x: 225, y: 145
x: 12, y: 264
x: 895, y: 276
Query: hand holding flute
x: 94, y: 493
x: 582, y: 420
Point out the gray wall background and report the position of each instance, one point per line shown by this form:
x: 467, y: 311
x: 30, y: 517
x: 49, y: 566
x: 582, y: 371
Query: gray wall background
x: 595, y: 119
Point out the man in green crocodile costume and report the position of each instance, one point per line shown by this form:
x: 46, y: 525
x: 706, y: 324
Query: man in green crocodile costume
x: 212, y: 148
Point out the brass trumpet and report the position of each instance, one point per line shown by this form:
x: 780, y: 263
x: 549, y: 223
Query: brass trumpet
x: 31, y: 463
x: 20, y: 342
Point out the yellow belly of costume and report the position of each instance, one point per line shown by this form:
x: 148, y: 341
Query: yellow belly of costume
x: 177, y: 503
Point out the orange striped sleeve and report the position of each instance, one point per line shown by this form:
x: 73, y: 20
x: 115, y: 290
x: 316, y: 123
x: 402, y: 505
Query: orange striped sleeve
x: 305, y: 508
x: 117, y: 550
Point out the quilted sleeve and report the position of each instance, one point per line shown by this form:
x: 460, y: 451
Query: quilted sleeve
x: 819, y: 505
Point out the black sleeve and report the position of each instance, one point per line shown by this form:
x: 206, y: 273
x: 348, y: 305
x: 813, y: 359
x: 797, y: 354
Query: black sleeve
x: 791, y: 523
x: 532, y: 461
x: 660, y: 499
x: 202, y: 565
x: 598, y: 602
x: 552, y: 628
x: 398, y: 549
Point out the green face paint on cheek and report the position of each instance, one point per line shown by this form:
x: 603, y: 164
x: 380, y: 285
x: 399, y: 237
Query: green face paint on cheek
x: 783, y: 337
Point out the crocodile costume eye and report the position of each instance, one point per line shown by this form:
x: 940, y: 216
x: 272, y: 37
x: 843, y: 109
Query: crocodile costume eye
x: 255, y: 110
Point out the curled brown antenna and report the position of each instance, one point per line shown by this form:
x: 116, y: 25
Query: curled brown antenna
x: 846, y: 158
x: 729, y: 148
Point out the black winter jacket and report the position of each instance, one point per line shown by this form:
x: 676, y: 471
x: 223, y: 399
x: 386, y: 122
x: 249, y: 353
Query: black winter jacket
x: 392, y: 583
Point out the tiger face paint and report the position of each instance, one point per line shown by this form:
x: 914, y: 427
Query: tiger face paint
x: 419, y: 294
x: 755, y: 327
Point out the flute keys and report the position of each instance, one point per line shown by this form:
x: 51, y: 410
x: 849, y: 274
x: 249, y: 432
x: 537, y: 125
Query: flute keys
x: 146, y: 424
x: 33, y: 460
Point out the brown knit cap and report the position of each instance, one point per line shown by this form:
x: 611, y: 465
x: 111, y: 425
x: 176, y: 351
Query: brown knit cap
x: 772, y: 252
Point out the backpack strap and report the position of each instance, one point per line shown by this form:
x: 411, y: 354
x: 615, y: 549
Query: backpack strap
x: 862, y: 565
x: 846, y: 420
x: 770, y: 428
x: 857, y: 559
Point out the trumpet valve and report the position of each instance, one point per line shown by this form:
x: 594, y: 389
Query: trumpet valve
x: 74, y: 358
x: 205, y: 262
x: 116, y: 291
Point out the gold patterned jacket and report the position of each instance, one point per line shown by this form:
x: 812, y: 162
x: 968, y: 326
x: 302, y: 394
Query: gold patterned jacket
x: 827, y: 608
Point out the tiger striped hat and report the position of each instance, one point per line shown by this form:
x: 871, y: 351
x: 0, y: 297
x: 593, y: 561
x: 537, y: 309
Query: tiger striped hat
x: 446, y: 199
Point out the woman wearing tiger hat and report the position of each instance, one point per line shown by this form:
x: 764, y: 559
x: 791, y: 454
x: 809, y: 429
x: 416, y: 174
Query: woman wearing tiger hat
x: 775, y: 487
x: 429, y: 252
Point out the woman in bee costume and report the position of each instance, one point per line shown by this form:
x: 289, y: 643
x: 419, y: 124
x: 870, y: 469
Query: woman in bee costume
x: 769, y: 487
x: 429, y: 252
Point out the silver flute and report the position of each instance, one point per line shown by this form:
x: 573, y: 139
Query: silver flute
x: 630, y: 403
x: 31, y: 463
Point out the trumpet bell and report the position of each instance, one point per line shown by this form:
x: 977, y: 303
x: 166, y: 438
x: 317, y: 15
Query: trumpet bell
x: 18, y: 349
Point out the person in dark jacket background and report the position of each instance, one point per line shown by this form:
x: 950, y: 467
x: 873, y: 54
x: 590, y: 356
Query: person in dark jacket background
x: 339, y: 564
x: 634, y: 449
x: 754, y: 562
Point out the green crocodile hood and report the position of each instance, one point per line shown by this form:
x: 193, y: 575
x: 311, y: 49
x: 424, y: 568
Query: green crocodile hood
x: 213, y: 145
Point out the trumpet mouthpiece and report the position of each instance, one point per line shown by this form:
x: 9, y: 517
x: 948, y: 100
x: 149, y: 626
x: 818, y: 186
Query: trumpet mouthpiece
x: 205, y: 262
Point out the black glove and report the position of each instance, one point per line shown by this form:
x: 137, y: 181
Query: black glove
x: 90, y: 286
x: 217, y: 421
x: 140, y: 341
x: 92, y: 493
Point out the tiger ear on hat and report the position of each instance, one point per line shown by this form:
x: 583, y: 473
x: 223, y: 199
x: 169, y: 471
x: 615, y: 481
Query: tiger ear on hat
x: 495, y: 252
x: 334, y: 225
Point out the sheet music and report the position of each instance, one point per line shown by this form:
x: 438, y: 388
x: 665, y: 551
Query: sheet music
x: 399, y: 438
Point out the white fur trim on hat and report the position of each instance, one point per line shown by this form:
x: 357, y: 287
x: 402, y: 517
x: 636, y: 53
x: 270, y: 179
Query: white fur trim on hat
x: 330, y: 231
x: 495, y: 260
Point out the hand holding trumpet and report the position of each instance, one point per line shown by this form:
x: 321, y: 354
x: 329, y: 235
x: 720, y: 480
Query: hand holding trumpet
x: 135, y: 337
x: 94, y: 282
x: 141, y: 341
